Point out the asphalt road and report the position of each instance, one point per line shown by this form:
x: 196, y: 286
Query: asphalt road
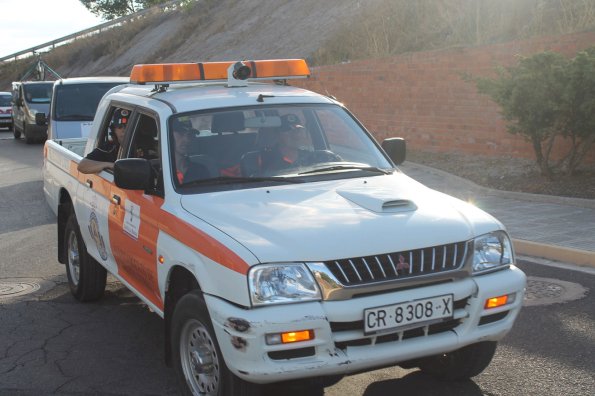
x: 51, y: 344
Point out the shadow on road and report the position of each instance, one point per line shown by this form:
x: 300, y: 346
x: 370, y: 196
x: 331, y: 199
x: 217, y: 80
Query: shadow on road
x: 23, y: 206
x: 420, y: 384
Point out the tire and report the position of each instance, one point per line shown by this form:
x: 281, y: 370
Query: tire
x: 193, y: 340
x: 461, y: 364
x: 28, y: 139
x: 86, y: 277
x: 15, y: 132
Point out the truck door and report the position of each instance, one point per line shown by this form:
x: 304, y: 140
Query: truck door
x: 94, y: 193
x: 133, y: 217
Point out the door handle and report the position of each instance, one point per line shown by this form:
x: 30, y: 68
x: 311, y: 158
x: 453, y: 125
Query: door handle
x: 89, y: 183
x: 116, y: 199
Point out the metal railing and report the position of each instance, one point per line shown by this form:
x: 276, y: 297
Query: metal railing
x: 91, y: 30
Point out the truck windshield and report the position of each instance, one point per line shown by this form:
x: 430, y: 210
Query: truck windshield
x: 5, y: 100
x: 78, y: 102
x: 38, y: 93
x: 281, y: 142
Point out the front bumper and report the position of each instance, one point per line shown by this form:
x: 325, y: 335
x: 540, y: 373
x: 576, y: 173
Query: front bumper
x: 38, y: 131
x: 5, y: 121
x: 340, y: 346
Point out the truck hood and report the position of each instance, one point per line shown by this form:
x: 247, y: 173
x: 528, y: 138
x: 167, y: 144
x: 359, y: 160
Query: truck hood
x: 339, y: 219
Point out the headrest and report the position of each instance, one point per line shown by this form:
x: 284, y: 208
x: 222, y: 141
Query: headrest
x: 180, y: 124
x: 232, y: 121
x: 290, y: 122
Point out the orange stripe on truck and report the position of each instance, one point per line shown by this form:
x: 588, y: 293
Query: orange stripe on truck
x: 172, y: 225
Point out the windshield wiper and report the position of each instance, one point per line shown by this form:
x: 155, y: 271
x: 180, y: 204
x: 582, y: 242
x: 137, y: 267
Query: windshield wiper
x: 348, y: 167
x: 239, y: 179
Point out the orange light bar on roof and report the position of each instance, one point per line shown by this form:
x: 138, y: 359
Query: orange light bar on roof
x: 209, y: 71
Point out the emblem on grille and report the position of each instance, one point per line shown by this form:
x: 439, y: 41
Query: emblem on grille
x: 402, y: 264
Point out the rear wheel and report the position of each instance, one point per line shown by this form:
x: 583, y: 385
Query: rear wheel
x: 461, y: 364
x: 197, y: 358
x: 86, y: 277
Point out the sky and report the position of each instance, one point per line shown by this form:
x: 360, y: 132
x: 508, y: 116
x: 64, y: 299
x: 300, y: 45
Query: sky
x: 27, y: 23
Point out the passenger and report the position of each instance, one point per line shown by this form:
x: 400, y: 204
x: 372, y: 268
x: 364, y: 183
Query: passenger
x: 104, y: 156
x: 186, y: 170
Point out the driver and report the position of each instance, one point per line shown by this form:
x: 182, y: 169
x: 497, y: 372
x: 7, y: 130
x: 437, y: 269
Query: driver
x: 286, y: 153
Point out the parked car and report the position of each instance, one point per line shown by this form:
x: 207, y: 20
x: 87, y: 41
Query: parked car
x: 74, y: 102
x: 5, y: 110
x: 28, y: 99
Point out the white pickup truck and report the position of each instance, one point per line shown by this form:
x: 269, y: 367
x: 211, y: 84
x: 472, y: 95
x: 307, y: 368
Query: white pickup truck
x: 275, y: 237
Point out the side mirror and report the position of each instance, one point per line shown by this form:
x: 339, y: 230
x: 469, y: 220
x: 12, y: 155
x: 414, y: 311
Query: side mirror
x: 20, y: 102
x: 133, y: 174
x: 396, y: 149
x: 41, y: 119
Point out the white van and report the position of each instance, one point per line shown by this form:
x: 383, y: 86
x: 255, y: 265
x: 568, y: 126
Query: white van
x: 30, y: 103
x: 74, y: 102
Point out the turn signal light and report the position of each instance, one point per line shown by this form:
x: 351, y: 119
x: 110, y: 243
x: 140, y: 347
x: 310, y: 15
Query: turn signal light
x: 289, y: 337
x: 496, y: 302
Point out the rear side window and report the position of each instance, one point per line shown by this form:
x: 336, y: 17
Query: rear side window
x: 78, y: 102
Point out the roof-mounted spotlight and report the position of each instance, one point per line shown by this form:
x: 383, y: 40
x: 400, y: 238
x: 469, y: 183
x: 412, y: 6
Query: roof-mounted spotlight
x: 237, y: 74
x: 241, y: 71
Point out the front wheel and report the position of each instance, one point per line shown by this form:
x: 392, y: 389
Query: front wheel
x: 86, y: 277
x: 461, y: 364
x: 15, y: 132
x: 197, y: 358
x: 27, y: 134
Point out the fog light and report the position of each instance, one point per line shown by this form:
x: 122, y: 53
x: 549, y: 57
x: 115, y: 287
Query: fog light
x: 289, y: 337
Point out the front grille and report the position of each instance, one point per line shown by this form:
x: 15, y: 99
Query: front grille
x: 292, y: 353
x: 492, y: 318
x: 407, y: 334
x: 399, y: 265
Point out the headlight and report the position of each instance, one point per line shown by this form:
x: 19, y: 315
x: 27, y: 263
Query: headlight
x: 282, y: 283
x: 491, y: 251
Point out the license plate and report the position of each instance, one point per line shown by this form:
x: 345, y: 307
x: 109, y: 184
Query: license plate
x: 407, y: 314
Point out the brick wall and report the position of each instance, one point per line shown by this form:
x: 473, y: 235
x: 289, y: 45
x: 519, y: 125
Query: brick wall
x: 422, y: 97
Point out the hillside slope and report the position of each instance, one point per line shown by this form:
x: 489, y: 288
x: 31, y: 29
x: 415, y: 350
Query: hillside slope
x: 211, y: 30
x: 322, y: 31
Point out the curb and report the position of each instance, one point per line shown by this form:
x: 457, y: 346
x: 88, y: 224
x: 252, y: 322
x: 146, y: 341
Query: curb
x: 553, y: 252
x: 584, y: 258
x: 476, y: 188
